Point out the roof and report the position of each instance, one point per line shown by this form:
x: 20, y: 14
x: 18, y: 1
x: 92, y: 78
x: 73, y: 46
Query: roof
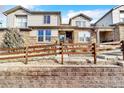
x: 119, y: 23
x: 46, y: 12
x: 21, y: 29
x: 62, y: 27
x: 108, y: 13
x: 81, y: 14
x: 14, y: 9
x: 29, y: 11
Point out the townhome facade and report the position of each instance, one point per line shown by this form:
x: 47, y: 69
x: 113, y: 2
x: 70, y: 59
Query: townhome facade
x: 110, y: 27
x: 45, y: 27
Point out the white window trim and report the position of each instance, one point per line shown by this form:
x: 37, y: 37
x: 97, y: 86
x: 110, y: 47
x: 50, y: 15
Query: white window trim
x: 46, y: 19
x: 16, y: 23
x: 82, y: 23
x: 44, y: 36
x: 85, y: 38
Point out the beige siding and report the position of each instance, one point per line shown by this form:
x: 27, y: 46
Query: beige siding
x: 106, y: 36
x: 121, y: 30
x: 73, y: 22
x: 106, y: 21
x: 76, y: 35
x: 33, y: 19
x: 116, y: 14
x: 11, y: 18
x: 38, y: 20
x: 111, y: 18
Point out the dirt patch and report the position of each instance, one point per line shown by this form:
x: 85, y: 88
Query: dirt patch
x: 57, y: 61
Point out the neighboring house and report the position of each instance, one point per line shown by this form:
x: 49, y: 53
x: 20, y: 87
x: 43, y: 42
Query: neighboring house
x: 110, y: 27
x: 44, y: 27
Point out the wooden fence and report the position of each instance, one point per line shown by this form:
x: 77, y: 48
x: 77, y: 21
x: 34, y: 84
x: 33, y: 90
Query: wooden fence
x: 52, y: 49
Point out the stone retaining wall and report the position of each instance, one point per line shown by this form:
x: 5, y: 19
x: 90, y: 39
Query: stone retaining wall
x: 61, y: 76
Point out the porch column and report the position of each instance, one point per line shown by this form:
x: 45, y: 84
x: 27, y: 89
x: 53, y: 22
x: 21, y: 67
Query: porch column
x: 98, y: 36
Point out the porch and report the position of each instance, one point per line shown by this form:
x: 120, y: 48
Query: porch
x: 66, y: 36
x: 105, y: 35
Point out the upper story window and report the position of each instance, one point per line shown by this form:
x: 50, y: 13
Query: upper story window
x: 121, y: 16
x: 44, y: 35
x: 47, y: 19
x: 80, y: 23
x: 21, y: 21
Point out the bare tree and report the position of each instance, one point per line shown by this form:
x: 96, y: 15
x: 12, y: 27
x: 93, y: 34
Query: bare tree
x: 12, y: 39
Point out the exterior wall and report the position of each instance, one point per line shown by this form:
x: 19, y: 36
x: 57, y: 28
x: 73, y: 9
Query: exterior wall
x: 1, y: 36
x: 116, y: 14
x: 38, y: 20
x: 76, y: 36
x: 121, y: 31
x: 73, y: 21
x: 61, y: 77
x: 106, y: 21
x: 111, y: 18
x: 33, y: 35
x: 116, y: 33
x: 11, y: 18
x: 106, y: 36
x: 26, y: 37
x: 33, y: 19
x: 93, y: 37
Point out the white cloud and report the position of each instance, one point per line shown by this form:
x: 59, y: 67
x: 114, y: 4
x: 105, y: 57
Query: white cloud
x: 94, y: 14
x: 30, y: 7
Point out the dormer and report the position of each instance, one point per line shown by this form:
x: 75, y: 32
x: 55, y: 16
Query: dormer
x: 80, y: 20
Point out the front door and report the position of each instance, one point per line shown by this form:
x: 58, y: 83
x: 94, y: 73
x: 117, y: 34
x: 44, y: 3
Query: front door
x: 69, y: 36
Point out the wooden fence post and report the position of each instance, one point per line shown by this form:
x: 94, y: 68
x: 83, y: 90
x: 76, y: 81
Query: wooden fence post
x: 94, y: 52
x: 61, y: 44
x: 55, y: 48
x: 26, y: 55
x: 122, y: 48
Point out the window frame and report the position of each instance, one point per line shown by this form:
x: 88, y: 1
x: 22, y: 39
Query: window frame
x: 85, y: 37
x: 47, y: 19
x: 82, y: 23
x: 121, y: 16
x: 21, y: 21
x: 45, y: 36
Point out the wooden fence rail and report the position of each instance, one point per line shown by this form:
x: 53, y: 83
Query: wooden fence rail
x: 52, y: 49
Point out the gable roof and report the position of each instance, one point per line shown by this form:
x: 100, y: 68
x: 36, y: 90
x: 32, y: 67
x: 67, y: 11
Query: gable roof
x: 14, y: 9
x: 81, y: 14
x: 32, y: 12
x: 107, y: 13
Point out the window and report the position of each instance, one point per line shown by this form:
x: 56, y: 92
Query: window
x: 21, y: 21
x: 84, y: 36
x: 80, y: 23
x: 122, y: 16
x: 48, y: 35
x: 40, y: 35
x: 46, y: 19
x: 44, y: 35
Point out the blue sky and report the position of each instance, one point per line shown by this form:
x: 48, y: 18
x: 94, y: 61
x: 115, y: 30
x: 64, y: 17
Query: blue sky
x: 67, y: 11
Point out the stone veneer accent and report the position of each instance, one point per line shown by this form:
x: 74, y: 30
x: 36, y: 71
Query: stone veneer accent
x: 1, y: 36
x: 121, y: 30
x: 61, y: 76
